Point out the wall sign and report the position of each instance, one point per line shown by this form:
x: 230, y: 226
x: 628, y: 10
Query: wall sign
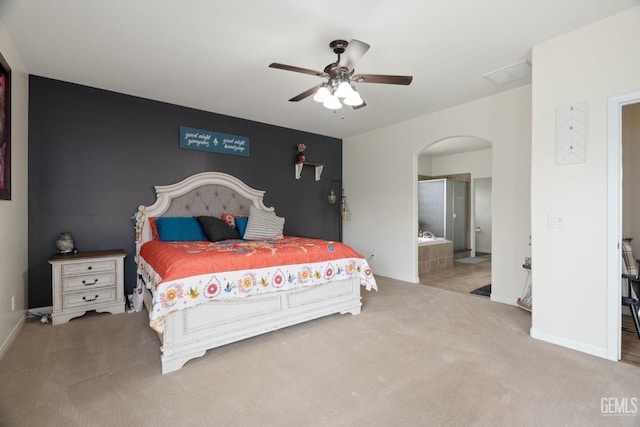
x: 213, y: 142
x: 571, y: 134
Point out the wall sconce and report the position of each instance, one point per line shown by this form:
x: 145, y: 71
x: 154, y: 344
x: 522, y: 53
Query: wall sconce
x: 332, y: 197
x: 345, y: 213
x: 337, y: 192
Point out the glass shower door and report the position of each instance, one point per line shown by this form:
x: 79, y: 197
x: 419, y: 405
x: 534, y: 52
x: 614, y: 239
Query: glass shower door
x: 431, y: 209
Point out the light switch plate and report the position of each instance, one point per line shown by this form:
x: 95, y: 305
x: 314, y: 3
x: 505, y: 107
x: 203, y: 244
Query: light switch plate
x: 556, y: 221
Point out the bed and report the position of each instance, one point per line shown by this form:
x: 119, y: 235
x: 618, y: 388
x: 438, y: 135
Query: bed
x: 203, y: 294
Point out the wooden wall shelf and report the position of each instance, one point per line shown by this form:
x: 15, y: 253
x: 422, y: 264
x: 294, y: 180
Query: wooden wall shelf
x: 317, y: 166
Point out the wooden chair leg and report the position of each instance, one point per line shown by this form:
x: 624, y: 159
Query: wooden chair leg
x: 636, y: 322
x: 633, y: 305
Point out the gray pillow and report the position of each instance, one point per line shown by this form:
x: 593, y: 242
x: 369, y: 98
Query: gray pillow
x: 263, y: 225
x: 216, y: 229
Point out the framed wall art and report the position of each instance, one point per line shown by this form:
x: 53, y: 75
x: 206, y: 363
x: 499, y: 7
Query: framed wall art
x: 571, y: 134
x: 5, y: 130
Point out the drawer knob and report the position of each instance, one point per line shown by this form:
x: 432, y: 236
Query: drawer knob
x: 89, y: 284
x: 89, y: 268
x: 90, y: 299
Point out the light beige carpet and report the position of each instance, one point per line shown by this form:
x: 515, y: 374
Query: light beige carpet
x: 416, y: 356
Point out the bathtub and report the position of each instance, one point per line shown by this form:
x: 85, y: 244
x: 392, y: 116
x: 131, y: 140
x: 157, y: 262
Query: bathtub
x: 429, y: 240
x: 434, y: 253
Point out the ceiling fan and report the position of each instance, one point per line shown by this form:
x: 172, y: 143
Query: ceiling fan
x: 340, y: 77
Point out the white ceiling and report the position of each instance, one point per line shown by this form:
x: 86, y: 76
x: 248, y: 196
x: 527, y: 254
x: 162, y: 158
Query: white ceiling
x: 213, y: 55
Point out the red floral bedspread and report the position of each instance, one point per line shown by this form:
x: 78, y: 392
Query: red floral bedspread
x: 185, y: 274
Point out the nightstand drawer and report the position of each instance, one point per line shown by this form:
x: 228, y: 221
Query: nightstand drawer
x: 89, y: 298
x: 88, y: 267
x: 88, y: 281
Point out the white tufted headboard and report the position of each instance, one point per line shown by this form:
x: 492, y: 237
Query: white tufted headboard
x: 206, y: 193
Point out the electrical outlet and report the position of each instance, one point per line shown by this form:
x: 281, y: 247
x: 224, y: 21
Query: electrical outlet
x: 13, y: 303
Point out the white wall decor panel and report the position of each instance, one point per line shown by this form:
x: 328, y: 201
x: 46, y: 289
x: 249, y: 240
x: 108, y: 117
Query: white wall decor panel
x: 571, y: 134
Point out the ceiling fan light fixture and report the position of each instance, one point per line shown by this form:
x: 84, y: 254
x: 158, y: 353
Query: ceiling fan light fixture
x: 338, y: 77
x: 344, y: 90
x: 353, y: 100
x: 332, y: 103
x: 322, y: 94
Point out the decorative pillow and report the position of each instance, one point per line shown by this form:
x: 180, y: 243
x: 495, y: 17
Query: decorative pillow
x: 628, y: 259
x: 179, y: 229
x: 154, y: 229
x: 239, y: 222
x: 263, y: 225
x: 241, y: 225
x: 229, y: 219
x: 216, y: 229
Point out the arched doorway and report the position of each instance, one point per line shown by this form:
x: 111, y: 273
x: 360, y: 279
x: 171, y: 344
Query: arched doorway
x: 461, y: 162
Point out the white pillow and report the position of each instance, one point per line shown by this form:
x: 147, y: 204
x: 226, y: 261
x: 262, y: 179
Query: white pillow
x: 263, y: 225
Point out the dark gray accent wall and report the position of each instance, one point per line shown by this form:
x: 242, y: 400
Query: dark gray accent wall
x: 95, y: 155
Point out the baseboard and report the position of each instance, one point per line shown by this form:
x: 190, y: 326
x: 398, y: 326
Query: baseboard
x: 573, y: 345
x: 402, y: 278
x: 12, y: 336
x: 503, y: 300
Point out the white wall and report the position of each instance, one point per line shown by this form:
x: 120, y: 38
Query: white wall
x: 570, y: 263
x: 477, y: 163
x: 380, y: 171
x: 13, y: 213
x: 424, y: 165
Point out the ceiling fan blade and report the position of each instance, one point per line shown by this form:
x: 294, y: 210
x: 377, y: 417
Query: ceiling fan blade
x: 353, y: 53
x: 305, y: 94
x: 381, y: 78
x: 297, y: 69
x: 356, y: 107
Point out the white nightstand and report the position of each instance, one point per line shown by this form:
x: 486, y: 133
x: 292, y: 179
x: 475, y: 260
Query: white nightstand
x: 87, y: 281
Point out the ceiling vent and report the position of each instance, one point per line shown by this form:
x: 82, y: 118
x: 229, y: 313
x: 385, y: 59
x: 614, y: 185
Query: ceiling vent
x: 511, y: 73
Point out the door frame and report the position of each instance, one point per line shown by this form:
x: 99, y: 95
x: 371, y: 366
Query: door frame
x: 474, y: 245
x: 614, y: 220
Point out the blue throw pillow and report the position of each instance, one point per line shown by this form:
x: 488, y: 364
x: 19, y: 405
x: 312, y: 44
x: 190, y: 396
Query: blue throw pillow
x: 241, y: 224
x: 179, y: 229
